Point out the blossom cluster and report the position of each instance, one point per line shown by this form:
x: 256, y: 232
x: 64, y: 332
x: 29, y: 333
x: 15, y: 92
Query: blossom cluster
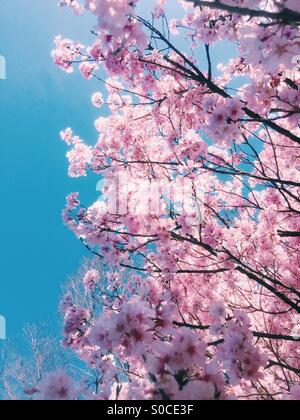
x: 162, y: 358
x: 197, y: 300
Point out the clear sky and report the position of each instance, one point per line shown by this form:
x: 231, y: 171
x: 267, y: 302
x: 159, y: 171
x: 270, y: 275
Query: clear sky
x: 37, y: 252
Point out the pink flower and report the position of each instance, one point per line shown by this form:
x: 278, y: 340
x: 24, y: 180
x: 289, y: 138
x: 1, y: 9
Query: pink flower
x: 198, y: 390
x: 58, y: 387
x: 187, y: 351
x: 65, y: 54
x: 113, y: 15
x: 218, y: 310
x: 97, y: 99
x: 234, y: 109
x: 72, y: 201
x: 74, y: 4
x: 291, y: 5
x: 79, y: 158
x: 67, y: 136
x: 159, y: 8
x: 239, y: 356
x: 295, y: 393
x: 87, y: 69
x: 75, y: 319
x: 218, y: 117
x: 91, y: 279
x: 66, y: 303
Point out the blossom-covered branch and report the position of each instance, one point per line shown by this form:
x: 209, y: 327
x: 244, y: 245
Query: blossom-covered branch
x: 289, y: 13
x: 193, y: 290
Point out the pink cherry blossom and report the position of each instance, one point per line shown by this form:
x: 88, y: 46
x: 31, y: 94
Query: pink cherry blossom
x: 295, y: 393
x: 65, y: 53
x: 196, y: 230
x: 58, y: 387
x: 91, y: 279
x: 67, y: 136
x: 87, y: 69
x: 97, y: 99
x: 79, y: 157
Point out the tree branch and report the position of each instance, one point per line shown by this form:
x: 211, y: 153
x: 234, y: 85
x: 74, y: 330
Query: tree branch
x: 194, y: 73
x: 287, y: 234
x: 255, y: 333
x: 286, y: 16
x: 282, y: 365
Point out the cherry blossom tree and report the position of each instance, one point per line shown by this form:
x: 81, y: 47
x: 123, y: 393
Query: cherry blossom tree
x: 193, y: 289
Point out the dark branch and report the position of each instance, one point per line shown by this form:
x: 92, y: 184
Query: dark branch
x: 255, y: 333
x: 283, y: 366
x: 286, y: 16
x: 287, y: 234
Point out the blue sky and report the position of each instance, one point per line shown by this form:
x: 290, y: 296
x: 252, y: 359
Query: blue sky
x: 36, y: 101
